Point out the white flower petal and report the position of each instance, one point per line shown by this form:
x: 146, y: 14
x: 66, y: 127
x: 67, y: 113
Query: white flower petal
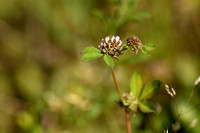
x: 112, y: 39
x: 117, y: 38
x: 107, y: 39
x: 120, y: 43
x: 197, y: 81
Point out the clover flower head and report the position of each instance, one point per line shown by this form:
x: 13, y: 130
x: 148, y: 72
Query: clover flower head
x: 112, y: 47
x: 134, y: 43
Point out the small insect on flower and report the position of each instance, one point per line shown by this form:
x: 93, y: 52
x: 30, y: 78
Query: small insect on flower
x: 112, y: 47
x: 134, y: 43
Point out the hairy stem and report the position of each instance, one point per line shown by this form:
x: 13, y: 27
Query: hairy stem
x: 126, y: 110
x: 128, y: 125
x: 116, y: 84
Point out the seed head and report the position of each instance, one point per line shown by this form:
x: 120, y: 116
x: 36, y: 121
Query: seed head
x: 171, y: 92
x: 112, y: 47
x: 197, y: 82
x: 134, y: 43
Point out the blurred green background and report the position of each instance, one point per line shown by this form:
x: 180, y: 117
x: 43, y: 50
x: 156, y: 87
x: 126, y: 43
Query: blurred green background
x: 46, y: 88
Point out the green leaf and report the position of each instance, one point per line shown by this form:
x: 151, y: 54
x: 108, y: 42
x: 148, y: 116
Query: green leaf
x: 91, y: 50
x: 91, y: 56
x: 131, y: 4
x: 149, y: 89
x: 136, y: 84
x: 144, y: 51
x: 138, y: 16
x: 143, y: 14
x: 109, y: 61
x: 146, y: 107
x: 149, y: 46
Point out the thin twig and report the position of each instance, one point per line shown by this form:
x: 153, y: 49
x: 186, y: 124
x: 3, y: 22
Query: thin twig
x: 116, y: 84
x: 188, y: 100
x: 191, y: 109
x: 128, y: 125
x: 176, y: 105
x: 150, y: 124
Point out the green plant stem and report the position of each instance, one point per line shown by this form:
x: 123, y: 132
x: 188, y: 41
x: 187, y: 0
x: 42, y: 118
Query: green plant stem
x: 188, y: 100
x: 128, y: 125
x: 116, y: 84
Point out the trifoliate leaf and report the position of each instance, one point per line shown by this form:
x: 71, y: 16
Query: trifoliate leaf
x: 91, y: 50
x: 109, y: 61
x: 149, y: 89
x: 136, y: 84
x: 149, y: 46
x: 146, y: 107
x: 91, y: 56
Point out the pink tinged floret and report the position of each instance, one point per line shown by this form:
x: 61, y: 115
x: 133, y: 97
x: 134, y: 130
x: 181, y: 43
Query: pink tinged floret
x: 121, y: 48
x: 104, y: 44
x: 109, y: 44
x: 112, y: 39
x: 106, y: 39
x: 120, y: 43
x: 101, y: 44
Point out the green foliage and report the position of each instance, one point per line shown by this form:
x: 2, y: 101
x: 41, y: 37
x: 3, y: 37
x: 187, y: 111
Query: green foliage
x: 99, y: 14
x: 146, y: 107
x: 30, y: 80
x: 25, y: 120
x: 109, y: 61
x: 136, y: 84
x: 149, y: 46
x: 91, y: 56
x: 91, y: 53
x: 137, y: 97
x: 138, y: 16
x: 91, y: 50
x: 144, y: 51
x: 41, y: 39
x: 149, y: 89
x: 124, y: 13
